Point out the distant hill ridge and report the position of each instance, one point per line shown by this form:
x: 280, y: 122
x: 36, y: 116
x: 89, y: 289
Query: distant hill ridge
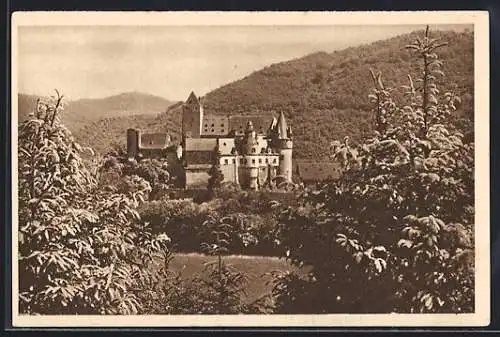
x: 81, y: 112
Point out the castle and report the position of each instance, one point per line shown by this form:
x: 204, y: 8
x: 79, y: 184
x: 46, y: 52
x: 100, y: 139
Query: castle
x: 251, y: 151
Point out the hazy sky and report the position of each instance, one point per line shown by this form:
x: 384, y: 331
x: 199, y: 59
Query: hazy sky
x: 89, y: 62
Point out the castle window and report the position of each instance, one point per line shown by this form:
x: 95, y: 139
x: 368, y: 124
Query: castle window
x: 253, y: 161
x: 212, y: 130
x: 226, y: 161
x: 224, y: 144
x: 222, y: 125
x: 260, y: 160
x: 267, y: 160
x: 213, y: 124
x: 253, y: 150
x: 206, y: 125
x: 274, y: 160
x: 234, y: 161
x: 222, y: 130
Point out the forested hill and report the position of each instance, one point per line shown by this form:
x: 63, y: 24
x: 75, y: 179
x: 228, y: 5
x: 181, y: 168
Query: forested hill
x: 325, y: 95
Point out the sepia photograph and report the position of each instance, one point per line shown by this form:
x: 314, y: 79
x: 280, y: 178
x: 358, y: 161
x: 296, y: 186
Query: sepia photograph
x: 250, y: 169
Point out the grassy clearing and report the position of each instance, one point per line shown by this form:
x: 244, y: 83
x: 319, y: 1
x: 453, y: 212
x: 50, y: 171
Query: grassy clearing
x: 257, y: 268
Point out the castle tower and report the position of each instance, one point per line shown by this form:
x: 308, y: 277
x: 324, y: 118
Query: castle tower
x: 192, y: 117
x: 284, y: 145
x: 132, y: 143
x: 250, y: 154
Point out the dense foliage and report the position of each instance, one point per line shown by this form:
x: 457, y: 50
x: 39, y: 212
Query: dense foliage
x: 395, y: 234
x: 252, y: 229
x: 117, y: 169
x: 218, y: 289
x: 249, y: 213
x: 81, y: 247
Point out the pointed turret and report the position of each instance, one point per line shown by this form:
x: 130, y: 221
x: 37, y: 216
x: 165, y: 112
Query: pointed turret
x: 282, y: 142
x: 192, y: 98
x: 282, y: 127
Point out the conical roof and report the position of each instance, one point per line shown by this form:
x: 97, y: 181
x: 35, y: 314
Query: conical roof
x: 282, y: 126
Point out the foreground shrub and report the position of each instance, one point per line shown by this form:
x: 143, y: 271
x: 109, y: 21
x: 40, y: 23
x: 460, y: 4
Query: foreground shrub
x: 395, y: 234
x: 81, y: 248
x: 218, y: 289
x: 116, y: 167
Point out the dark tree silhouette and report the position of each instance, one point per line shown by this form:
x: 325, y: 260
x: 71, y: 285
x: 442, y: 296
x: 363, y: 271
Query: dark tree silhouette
x: 216, y: 176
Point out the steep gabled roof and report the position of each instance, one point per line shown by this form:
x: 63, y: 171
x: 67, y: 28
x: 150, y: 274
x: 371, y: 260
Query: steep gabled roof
x: 200, y: 144
x: 192, y: 98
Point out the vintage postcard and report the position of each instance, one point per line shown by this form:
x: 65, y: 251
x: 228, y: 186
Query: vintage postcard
x: 254, y: 169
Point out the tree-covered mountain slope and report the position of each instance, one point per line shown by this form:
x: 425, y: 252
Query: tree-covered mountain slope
x: 325, y: 95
